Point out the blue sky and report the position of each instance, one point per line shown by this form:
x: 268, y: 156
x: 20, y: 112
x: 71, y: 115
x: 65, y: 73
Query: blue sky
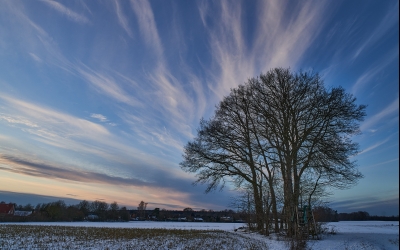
x: 98, y: 98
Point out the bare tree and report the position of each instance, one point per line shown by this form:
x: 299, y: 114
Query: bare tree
x: 142, y: 209
x: 114, y: 206
x: 85, y: 207
x: 278, y: 130
x: 307, y: 127
x: 113, y: 213
x: 99, y: 208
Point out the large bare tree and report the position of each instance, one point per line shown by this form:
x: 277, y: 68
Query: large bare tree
x: 281, y: 124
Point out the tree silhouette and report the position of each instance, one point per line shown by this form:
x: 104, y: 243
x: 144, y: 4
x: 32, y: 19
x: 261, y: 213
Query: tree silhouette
x: 273, y: 133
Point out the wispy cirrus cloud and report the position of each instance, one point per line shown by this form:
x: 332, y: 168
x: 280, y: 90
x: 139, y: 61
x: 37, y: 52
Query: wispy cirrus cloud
x: 147, y: 24
x: 46, y: 50
x: 384, y: 26
x: 375, y: 145
x: 34, y: 39
x: 278, y: 40
x: 106, y: 85
x: 228, y: 49
x: 35, y: 57
x: 76, y: 135
x: 171, y: 96
x: 382, y: 163
x: 370, y: 73
x: 54, y: 128
x: 145, y: 130
x: 17, y: 120
x: 165, y: 83
x: 168, y: 96
x: 49, y: 116
x: 100, y: 117
x: 173, y: 99
x: 70, y: 14
x: 291, y: 37
x: 388, y: 110
x: 123, y: 21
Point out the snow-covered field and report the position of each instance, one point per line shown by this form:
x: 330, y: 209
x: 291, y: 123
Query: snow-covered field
x: 360, y: 235
x: 186, y: 235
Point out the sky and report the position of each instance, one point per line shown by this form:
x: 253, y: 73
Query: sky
x: 98, y: 98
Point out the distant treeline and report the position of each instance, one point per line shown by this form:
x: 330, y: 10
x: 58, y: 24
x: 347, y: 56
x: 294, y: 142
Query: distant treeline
x: 326, y: 214
x: 59, y: 211
x: 102, y: 211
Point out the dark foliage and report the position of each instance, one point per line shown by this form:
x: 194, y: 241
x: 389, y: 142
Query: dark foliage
x: 325, y: 214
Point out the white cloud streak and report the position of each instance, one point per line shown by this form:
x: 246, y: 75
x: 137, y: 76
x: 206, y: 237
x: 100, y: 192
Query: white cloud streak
x: 123, y: 21
x: 384, y: 26
x: 34, y: 39
x: 106, y: 85
x: 374, y: 146
x: 35, y: 57
x: 372, y: 72
x: 389, y: 110
x: 70, y: 14
x: 147, y: 24
x: 100, y: 117
x: 70, y: 125
x: 382, y: 163
x: 173, y: 99
x: 17, y: 120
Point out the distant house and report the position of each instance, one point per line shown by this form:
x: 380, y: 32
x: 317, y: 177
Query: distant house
x: 198, y: 219
x: 92, y: 217
x: 226, y: 219
x: 22, y: 213
x: 182, y: 219
x: 7, y: 209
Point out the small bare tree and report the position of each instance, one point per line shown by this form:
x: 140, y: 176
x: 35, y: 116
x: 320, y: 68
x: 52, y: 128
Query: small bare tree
x: 142, y: 209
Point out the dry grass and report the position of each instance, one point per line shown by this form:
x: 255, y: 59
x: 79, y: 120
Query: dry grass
x: 63, y: 237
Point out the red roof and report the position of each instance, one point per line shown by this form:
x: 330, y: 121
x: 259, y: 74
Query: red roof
x: 6, y: 208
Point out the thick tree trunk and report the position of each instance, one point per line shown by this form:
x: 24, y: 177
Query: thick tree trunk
x: 289, y: 203
x: 259, y: 208
x: 274, y: 212
x: 273, y: 205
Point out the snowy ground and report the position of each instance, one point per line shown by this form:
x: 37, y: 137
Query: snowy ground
x: 186, y: 235
x: 360, y: 235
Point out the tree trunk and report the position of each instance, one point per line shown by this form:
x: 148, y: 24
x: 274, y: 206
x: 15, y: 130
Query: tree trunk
x: 289, y: 203
x: 258, y: 208
x: 274, y: 211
